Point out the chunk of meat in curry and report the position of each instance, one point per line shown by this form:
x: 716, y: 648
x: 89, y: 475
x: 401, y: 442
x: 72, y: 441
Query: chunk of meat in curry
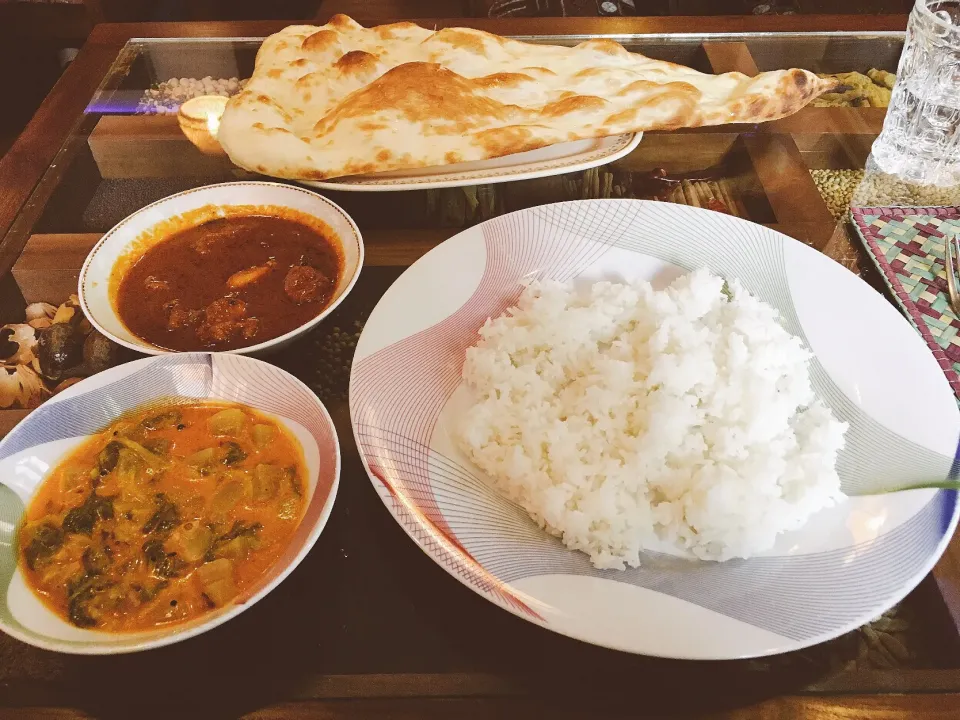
x: 229, y: 283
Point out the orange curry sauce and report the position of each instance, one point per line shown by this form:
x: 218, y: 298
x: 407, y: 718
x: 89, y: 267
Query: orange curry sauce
x: 171, y: 511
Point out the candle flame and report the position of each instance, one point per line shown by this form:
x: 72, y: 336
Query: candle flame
x: 213, y: 122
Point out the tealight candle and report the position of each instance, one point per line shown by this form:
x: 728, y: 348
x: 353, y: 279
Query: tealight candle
x: 199, y: 119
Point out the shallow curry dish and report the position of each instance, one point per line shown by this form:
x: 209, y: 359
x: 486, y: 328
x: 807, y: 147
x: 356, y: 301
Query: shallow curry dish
x: 141, y: 572
x: 240, y: 267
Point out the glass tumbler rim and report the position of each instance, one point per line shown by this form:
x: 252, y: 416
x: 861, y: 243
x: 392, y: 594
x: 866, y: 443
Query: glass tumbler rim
x: 922, y: 7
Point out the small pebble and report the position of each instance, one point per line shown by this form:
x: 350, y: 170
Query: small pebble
x: 879, y: 189
x: 837, y: 188
x: 167, y: 96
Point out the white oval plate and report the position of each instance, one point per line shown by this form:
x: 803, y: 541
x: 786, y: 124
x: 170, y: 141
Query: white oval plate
x: 542, y: 162
x: 845, y: 567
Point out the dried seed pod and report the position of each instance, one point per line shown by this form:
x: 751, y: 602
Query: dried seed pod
x: 59, y: 348
x: 896, y: 648
x: 99, y: 353
x: 890, y: 624
x: 879, y: 658
x: 40, y: 310
x: 20, y: 386
x: 18, y: 344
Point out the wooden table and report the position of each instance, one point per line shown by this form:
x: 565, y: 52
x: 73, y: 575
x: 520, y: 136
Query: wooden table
x: 369, y: 626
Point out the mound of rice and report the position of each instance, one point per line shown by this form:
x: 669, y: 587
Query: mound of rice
x: 623, y: 418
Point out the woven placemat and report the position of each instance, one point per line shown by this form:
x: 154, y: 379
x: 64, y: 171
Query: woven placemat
x: 907, y: 246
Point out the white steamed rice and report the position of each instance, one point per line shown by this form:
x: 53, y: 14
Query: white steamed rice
x: 623, y: 418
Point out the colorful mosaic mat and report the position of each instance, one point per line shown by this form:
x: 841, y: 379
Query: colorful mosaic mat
x: 907, y: 246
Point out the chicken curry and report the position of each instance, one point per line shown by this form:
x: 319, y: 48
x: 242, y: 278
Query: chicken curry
x: 230, y: 282
x: 168, y: 513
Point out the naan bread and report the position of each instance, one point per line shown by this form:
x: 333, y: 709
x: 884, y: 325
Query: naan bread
x: 342, y: 99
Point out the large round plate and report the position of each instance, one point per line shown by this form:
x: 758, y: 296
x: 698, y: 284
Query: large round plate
x: 550, y: 160
x: 846, y: 566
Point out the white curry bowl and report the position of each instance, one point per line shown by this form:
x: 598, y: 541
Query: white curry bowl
x: 47, y: 435
x: 94, y: 287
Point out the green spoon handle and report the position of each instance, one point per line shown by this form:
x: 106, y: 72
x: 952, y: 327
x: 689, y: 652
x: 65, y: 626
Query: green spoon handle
x: 939, y: 484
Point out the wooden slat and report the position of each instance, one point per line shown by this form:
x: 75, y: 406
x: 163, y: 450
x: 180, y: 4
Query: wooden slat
x: 940, y: 706
x: 678, y: 152
x: 49, y: 267
x: 730, y: 57
x: 837, y: 120
x: 401, y: 247
x: 852, y: 707
x: 834, y: 151
x: 789, y: 188
x: 901, y: 680
x: 532, y: 26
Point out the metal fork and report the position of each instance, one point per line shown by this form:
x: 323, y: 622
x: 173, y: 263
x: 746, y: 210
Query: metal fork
x: 951, y: 246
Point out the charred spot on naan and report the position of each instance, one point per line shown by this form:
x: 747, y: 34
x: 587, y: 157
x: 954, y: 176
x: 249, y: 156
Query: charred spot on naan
x: 538, y: 70
x: 752, y: 106
x: 497, y: 142
x: 271, y: 130
x: 794, y: 91
x: 622, y: 118
x: 271, y: 103
x: 641, y: 88
x: 666, y: 107
x: 309, y: 81
x: 573, y: 104
x: 364, y: 168
x: 420, y: 92
x: 474, y: 41
x: 344, y: 22
x: 808, y: 85
x: 501, y: 80
x: 590, y: 72
x: 242, y: 97
x: 321, y: 41
x: 451, y: 157
x: 357, y: 62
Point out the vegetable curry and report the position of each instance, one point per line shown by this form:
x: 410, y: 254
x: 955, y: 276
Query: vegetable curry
x: 168, y: 513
